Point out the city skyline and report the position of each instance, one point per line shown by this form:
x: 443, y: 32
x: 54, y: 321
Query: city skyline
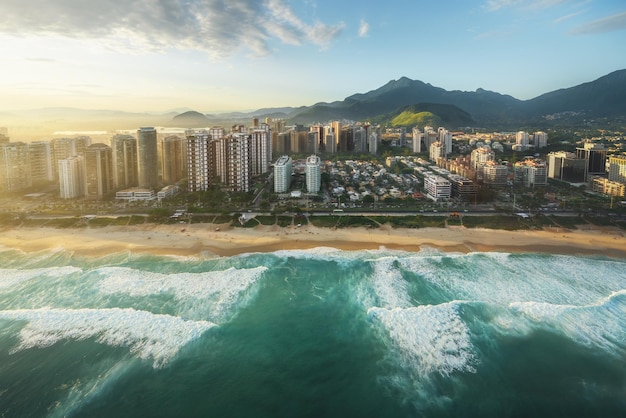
x: 153, y: 55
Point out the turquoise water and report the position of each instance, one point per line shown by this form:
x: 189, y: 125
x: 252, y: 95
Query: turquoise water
x: 318, y: 333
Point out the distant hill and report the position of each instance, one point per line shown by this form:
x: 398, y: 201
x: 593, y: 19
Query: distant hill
x: 605, y: 96
x: 191, y: 119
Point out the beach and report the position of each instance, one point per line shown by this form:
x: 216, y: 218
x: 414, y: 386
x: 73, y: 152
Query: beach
x: 225, y: 240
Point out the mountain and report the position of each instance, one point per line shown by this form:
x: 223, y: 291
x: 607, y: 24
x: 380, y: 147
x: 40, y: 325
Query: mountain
x: 191, y: 119
x: 605, y: 96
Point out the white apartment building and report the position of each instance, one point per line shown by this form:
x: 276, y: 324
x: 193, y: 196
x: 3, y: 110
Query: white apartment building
x: 617, y: 168
x: 437, y: 188
x: 282, y: 174
x: 436, y: 151
x: 72, y: 177
x: 521, y: 138
x: 480, y: 156
x: 417, y: 140
x: 313, y: 174
x: 200, y: 154
x: 445, y: 137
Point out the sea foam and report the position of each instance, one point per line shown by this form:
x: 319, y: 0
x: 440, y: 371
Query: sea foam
x: 13, y: 277
x: 147, y: 335
x: 218, y: 291
x: 428, y: 338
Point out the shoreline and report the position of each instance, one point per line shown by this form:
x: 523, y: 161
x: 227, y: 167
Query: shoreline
x: 203, y: 239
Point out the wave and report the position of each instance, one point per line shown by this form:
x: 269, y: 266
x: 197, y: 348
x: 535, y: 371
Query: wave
x: 13, y: 277
x: 598, y: 325
x: 428, y: 339
x: 217, y: 291
x: 390, y: 287
x: 147, y: 335
x: 501, y: 278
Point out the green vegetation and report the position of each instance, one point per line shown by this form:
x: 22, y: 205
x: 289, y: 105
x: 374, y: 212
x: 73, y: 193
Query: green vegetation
x: 408, y: 118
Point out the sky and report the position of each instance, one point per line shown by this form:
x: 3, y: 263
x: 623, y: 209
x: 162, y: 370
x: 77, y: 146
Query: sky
x: 225, y: 55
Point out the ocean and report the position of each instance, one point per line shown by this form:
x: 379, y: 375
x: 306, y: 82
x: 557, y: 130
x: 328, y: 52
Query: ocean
x: 314, y: 333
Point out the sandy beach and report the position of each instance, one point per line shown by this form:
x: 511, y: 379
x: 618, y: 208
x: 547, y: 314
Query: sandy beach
x: 205, y: 240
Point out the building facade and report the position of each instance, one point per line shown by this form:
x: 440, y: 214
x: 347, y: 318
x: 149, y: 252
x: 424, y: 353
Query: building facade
x: 15, y: 172
x: 617, y: 168
x: 172, y: 159
x: 124, y: 155
x: 147, y: 158
x: 40, y: 155
x: 282, y: 174
x: 98, y: 171
x: 71, y: 177
x: 313, y: 174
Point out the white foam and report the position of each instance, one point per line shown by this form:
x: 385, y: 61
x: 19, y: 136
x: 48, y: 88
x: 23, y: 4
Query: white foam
x: 390, y: 287
x: 12, y: 277
x: 147, y: 335
x: 499, y: 278
x: 599, y: 325
x: 219, y: 291
x: 428, y: 338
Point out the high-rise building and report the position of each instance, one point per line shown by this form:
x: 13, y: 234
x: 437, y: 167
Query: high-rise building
x: 313, y: 142
x: 540, y: 139
x: 147, y: 158
x: 172, y: 158
x: 200, y: 160
x: 313, y: 174
x: 261, y: 149
x: 14, y: 167
x: 430, y: 136
x: 617, y: 168
x: 531, y: 172
x: 63, y: 148
x: 98, y: 171
x: 72, y: 177
x: 566, y: 166
x: 445, y: 137
x: 40, y: 154
x: 436, y: 151
x: 124, y: 155
x: 494, y: 174
x: 608, y: 187
x: 282, y: 174
x: 417, y: 140
x: 239, y: 162
x: 437, y: 188
x: 480, y: 156
x: 521, y: 138
x: 318, y: 130
x: 330, y: 142
x: 595, y: 156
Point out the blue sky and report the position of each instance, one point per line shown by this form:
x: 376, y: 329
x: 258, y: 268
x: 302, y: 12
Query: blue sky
x: 223, y: 55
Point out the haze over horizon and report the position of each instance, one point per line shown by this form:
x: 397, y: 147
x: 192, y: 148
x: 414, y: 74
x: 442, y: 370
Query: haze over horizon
x: 213, y: 56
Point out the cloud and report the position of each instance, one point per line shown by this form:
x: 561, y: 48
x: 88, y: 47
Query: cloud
x: 219, y: 27
x: 494, y: 5
x: 608, y: 24
x: 569, y: 16
x: 364, y: 29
